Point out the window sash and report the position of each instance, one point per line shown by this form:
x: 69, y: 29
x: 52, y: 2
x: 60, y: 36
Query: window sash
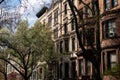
x: 65, y: 28
x: 50, y: 21
x: 107, y: 4
x: 88, y: 68
x: 109, y: 29
x: 114, y: 3
x: 65, y: 9
x: 73, y: 44
x: 81, y: 67
x: 56, y: 17
x: 72, y: 25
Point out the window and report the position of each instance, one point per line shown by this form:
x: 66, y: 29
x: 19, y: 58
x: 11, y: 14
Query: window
x: 44, y: 21
x: 88, y: 68
x: 61, y: 46
x: 115, y: 3
x: 95, y: 9
x: 73, y: 69
x: 107, y: 4
x: 50, y: 20
x: 66, y: 70
x: 40, y: 70
x: 56, y: 17
x: 66, y: 44
x: 87, y: 12
x: 109, y: 29
x: 111, y: 59
x: 61, y: 68
x: 72, y: 25
x: 56, y: 33
x: 81, y: 13
x: 110, y: 4
x: 81, y: 67
x: 58, y: 48
x: 73, y: 44
x: 65, y: 9
x: 40, y: 73
x: 65, y: 28
x: 90, y: 36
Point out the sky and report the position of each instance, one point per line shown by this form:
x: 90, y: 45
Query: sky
x: 27, y: 8
x: 30, y: 9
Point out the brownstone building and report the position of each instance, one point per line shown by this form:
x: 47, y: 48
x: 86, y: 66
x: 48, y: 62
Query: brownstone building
x: 71, y: 65
x: 109, y: 36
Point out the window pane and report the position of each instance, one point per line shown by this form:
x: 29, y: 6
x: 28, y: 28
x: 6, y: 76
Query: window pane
x: 66, y: 70
x: 115, y: 3
x: 81, y: 67
x: 107, y: 4
x: 49, y: 20
x: 61, y: 46
x: 65, y: 8
x: 73, y: 44
x: 65, y: 28
x: 109, y: 29
x: 66, y: 45
x: 56, y: 17
x: 56, y: 33
x: 90, y: 36
x: 113, y: 60
x: 72, y: 24
x: 88, y: 68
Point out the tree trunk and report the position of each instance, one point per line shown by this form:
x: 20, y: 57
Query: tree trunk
x: 26, y: 78
x: 97, y: 73
x: 5, y: 76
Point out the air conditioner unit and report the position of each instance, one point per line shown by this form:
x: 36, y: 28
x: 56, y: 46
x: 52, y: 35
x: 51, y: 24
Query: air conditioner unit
x: 112, y: 34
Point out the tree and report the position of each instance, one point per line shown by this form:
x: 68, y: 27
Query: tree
x: 27, y: 46
x: 94, y: 53
x: 1, y: 1
x: 3, y: 64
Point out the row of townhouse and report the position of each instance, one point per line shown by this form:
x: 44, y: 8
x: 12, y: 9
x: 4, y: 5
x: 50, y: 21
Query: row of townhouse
x: 59, y: 18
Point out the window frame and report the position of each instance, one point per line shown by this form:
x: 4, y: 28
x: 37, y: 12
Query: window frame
x: 65, y: 9
x: 81, y: 67
x: 73, y: 44
x: 50, y: 20
x: 65, y: 28
x: 56, y: 16
x: 111, y: 64
x: 109, y: 28
x: 109, y: 5
x: 72, y: 24
x: 66, y: 44
x: 55, y: 33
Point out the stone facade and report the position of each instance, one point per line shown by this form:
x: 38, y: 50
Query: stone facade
x: 60, y: 19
